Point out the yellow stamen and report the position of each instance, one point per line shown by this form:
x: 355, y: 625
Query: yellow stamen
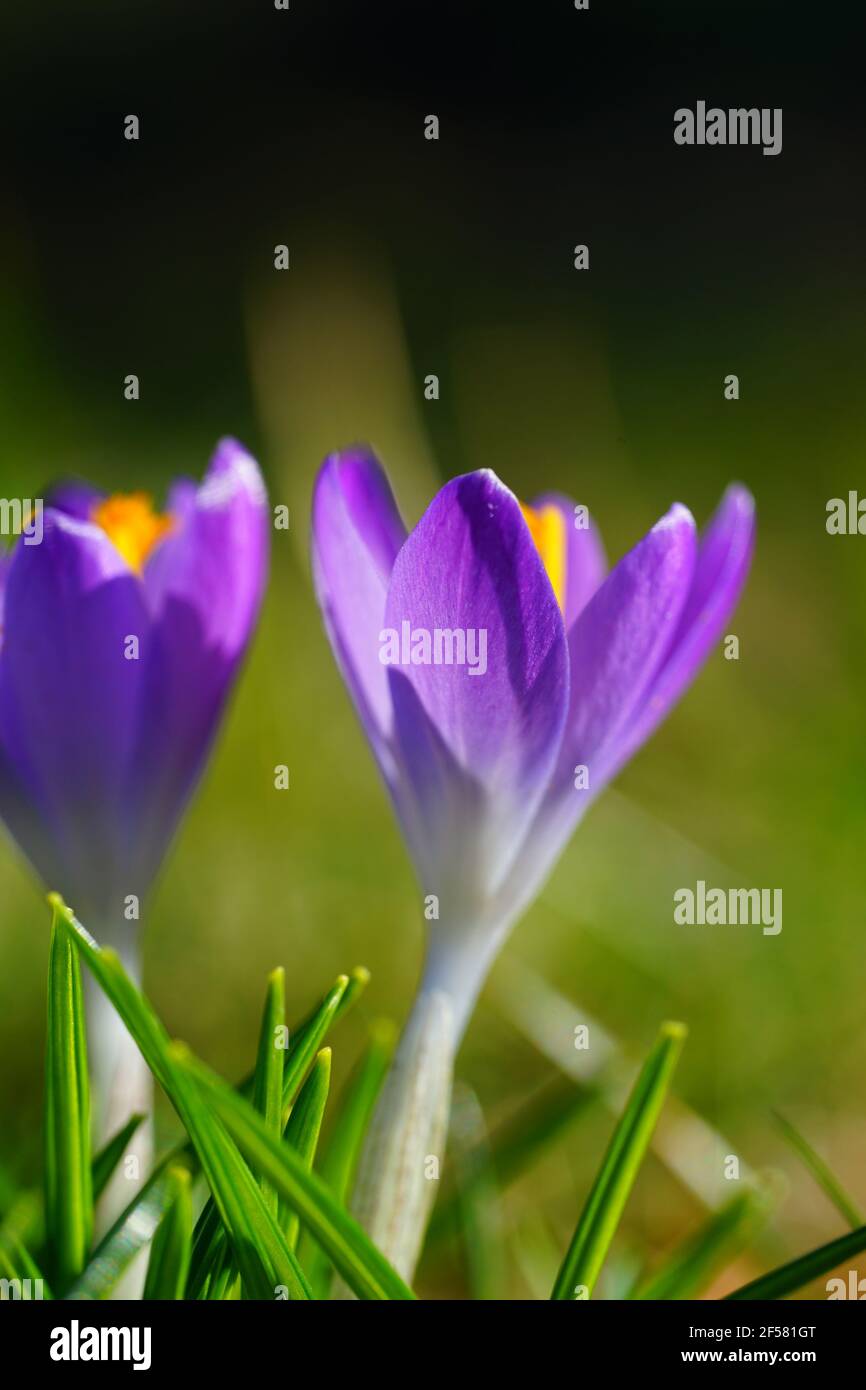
x: 132, y: 525
x: 547, y: 529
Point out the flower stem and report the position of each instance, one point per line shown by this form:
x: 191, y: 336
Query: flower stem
x: 401, y: 1160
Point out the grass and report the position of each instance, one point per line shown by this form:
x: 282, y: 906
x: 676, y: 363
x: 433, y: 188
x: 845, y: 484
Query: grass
x: 273, y: 1220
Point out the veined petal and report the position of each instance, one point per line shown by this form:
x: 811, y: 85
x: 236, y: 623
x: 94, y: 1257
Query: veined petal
x: 69, y: 702
x: 203, y: 586
x: 476, y: 739
x: 357, y: 533
x: 618, y: 642
x: 585, y: 564
x: 615, y: 650
x: 723, y: 561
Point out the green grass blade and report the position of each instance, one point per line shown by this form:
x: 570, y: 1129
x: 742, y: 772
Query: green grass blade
x: 688, y: 1270
x: 609, y: 1193
x: 131, y: 1232
x: 135, y: 1227
x: 305, y: 1123
x: 172, y: 1244
x: 793, y: 1276
x: 309, y: 1037
x: 340, y: 1155
x: 359, y: 978
x: 268, y: 1078
x: 214, y: 1275
x: 363, y: 1267
x: 108, y: 1157
x: 210, y: 1258
x: 821, y: 1172
x: 24, y: 1220
x: 213, y: 1268
x: 68, y: 1185
x: 340, y: 1158
x: 265, y: 1261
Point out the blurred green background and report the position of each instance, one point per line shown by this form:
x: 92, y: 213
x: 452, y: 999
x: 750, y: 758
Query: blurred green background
x: 410, y: 257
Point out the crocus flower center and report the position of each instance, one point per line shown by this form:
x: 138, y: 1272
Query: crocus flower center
x: 547, y: 529
x: 132, y: 525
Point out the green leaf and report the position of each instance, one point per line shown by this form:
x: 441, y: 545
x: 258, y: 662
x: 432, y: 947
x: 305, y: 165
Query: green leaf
x: 172, y: 1244
x: 136, y: 1224
x: 791, y: 1277
x: 268, y: 1078
x: 821, y: 1172
x: 305, y: 1123
x: 265, y: 1261
x: 209, y: 1258
x: 340, y: 1157
x: 309, y: 1036
x: 610, y: 1191
x: 359, y: 978
x: 688, y: 1270
x: 131, y: 1232
x: 108, y: 1157
x: 24, y: 1221
x: 363, y: 1267
x: 68, y: 1186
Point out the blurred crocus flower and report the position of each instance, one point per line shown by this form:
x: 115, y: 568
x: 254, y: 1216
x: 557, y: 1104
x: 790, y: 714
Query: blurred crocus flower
x: 122, y: 633
x: 121, y: 636
x: 503, y: 677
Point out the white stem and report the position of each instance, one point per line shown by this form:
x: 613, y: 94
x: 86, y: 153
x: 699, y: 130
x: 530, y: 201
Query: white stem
x: 401, y: 1161
x: 458, y: 964
x: 122, y: 1086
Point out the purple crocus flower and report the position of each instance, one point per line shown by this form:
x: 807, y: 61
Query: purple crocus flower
x: 502, y: 676
x: 121, y: 636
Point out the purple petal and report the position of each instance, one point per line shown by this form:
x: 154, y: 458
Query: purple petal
x: 5, y: 563
x: 69, y: 702
x: 615, y: 650
x: 621, y: 637
x: 723, y: 562
x: 203, y: 586
x: 585, y: 564
x: 356, y: 535
x: 476, y: 750
x: 182, y: 498
x: 215, y: 563
x: 74, y: 497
